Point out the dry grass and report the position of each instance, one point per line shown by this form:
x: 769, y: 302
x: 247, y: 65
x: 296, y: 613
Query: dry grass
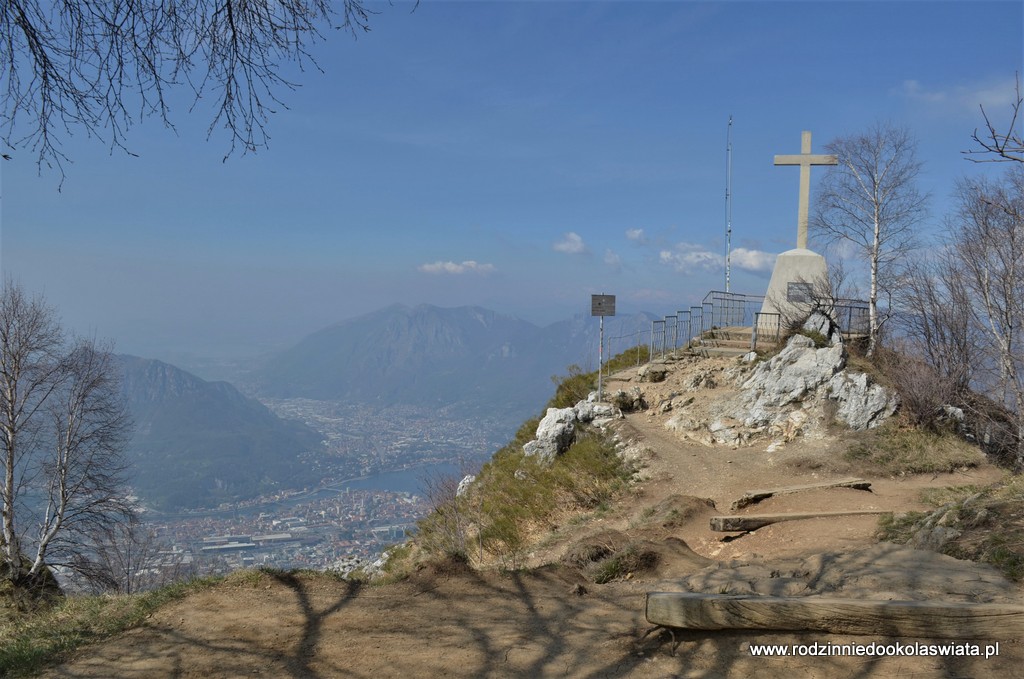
x: 896, y: 450
x: 28, y: 641
x: 990, y: 523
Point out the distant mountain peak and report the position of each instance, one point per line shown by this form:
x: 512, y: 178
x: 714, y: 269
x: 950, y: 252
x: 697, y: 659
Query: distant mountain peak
x: 431, y: 355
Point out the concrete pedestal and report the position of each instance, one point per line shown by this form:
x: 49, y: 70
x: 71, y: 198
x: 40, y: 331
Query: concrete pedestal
x: 790, y: 289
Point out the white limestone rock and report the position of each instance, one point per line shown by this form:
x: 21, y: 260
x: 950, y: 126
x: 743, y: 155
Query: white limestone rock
x: 820, y: 323
x: 588, y: 411
x: 862, y: 404
x: 792, y: 375
x: 555, y: 433
x: 629, y: 402
x: 690, y: 428
x: 464, y: 485
x: 376, y: 569
x: 727, y: 431
x: 948, y: 413
x: 786, y: 429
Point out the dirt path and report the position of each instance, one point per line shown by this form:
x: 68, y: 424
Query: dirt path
x: 723, y: 475
x: 448, y: 621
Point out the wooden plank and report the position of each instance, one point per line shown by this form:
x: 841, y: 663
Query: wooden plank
x: 726, y: 524
x: 754, y: 496
x: 928, y: 619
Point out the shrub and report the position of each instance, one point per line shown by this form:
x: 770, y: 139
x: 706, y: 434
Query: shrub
x: 631, y: 559
x: 572, y: 388
x: 820, y: 341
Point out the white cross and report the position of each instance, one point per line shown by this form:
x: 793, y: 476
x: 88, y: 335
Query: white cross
x: 805, y: 159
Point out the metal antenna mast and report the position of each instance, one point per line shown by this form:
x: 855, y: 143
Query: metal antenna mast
x: 728, y: 204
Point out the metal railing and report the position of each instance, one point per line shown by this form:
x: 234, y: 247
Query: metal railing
x: 731, y: 309
x: 767, y: 327
x: 718, y: 309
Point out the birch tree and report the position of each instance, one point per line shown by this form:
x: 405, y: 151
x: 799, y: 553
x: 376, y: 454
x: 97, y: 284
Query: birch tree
x: 987, y: 235
x: 871, y: 201
x: 62, y: 430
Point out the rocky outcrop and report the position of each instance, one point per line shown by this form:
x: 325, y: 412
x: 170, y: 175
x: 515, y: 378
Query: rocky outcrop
x: 464, y: 485
x: 588, y: 411
x: 819, y: 324
x: 803, y: 375
x: 703, y: 379
x: 651, y: 372
x: 790, y: 376
x: 862, y: 404
x: 557, y: 429
x: 555, y: 433
x: 630, y: 401
x: 785, y: 396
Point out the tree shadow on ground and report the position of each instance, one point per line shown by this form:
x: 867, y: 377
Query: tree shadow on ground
x: 448, y: 620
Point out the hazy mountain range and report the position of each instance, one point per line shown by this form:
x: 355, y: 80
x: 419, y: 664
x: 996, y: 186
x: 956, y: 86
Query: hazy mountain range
x: 442, y: 356
x: 199, y: 443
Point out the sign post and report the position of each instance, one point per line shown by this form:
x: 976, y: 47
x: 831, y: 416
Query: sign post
x: 601, y: 305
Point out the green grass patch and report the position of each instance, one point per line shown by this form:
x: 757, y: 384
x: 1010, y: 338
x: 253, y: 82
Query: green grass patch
x: 1005, y: 555
x: 521, y: 494
x: 937, y: 497
x: 820, y: 341
x: 29, y: 641
x: 517, y: 496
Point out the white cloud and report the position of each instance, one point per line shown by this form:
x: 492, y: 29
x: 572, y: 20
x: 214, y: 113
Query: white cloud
x: 571, y: 244
x: 689, y: 258
x: 469, y: 266
x: 992, y: 95
x: 613, y: 260
x: 752, y: 260
x: 636, y: 235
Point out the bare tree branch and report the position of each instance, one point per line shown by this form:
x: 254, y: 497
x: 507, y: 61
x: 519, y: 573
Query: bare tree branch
x: 996, y: 146
x: 104, y: 66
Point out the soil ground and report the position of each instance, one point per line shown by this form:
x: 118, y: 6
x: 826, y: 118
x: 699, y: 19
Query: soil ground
x: 550, y: 620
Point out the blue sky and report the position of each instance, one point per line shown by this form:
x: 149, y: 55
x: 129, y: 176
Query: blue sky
x: 515, y: 155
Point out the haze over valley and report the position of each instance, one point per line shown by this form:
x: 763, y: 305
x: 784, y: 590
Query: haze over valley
x: 339, y: 433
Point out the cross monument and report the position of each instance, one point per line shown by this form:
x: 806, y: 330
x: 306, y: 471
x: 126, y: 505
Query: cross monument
x: 791, y: 288
x: 805, y: 159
